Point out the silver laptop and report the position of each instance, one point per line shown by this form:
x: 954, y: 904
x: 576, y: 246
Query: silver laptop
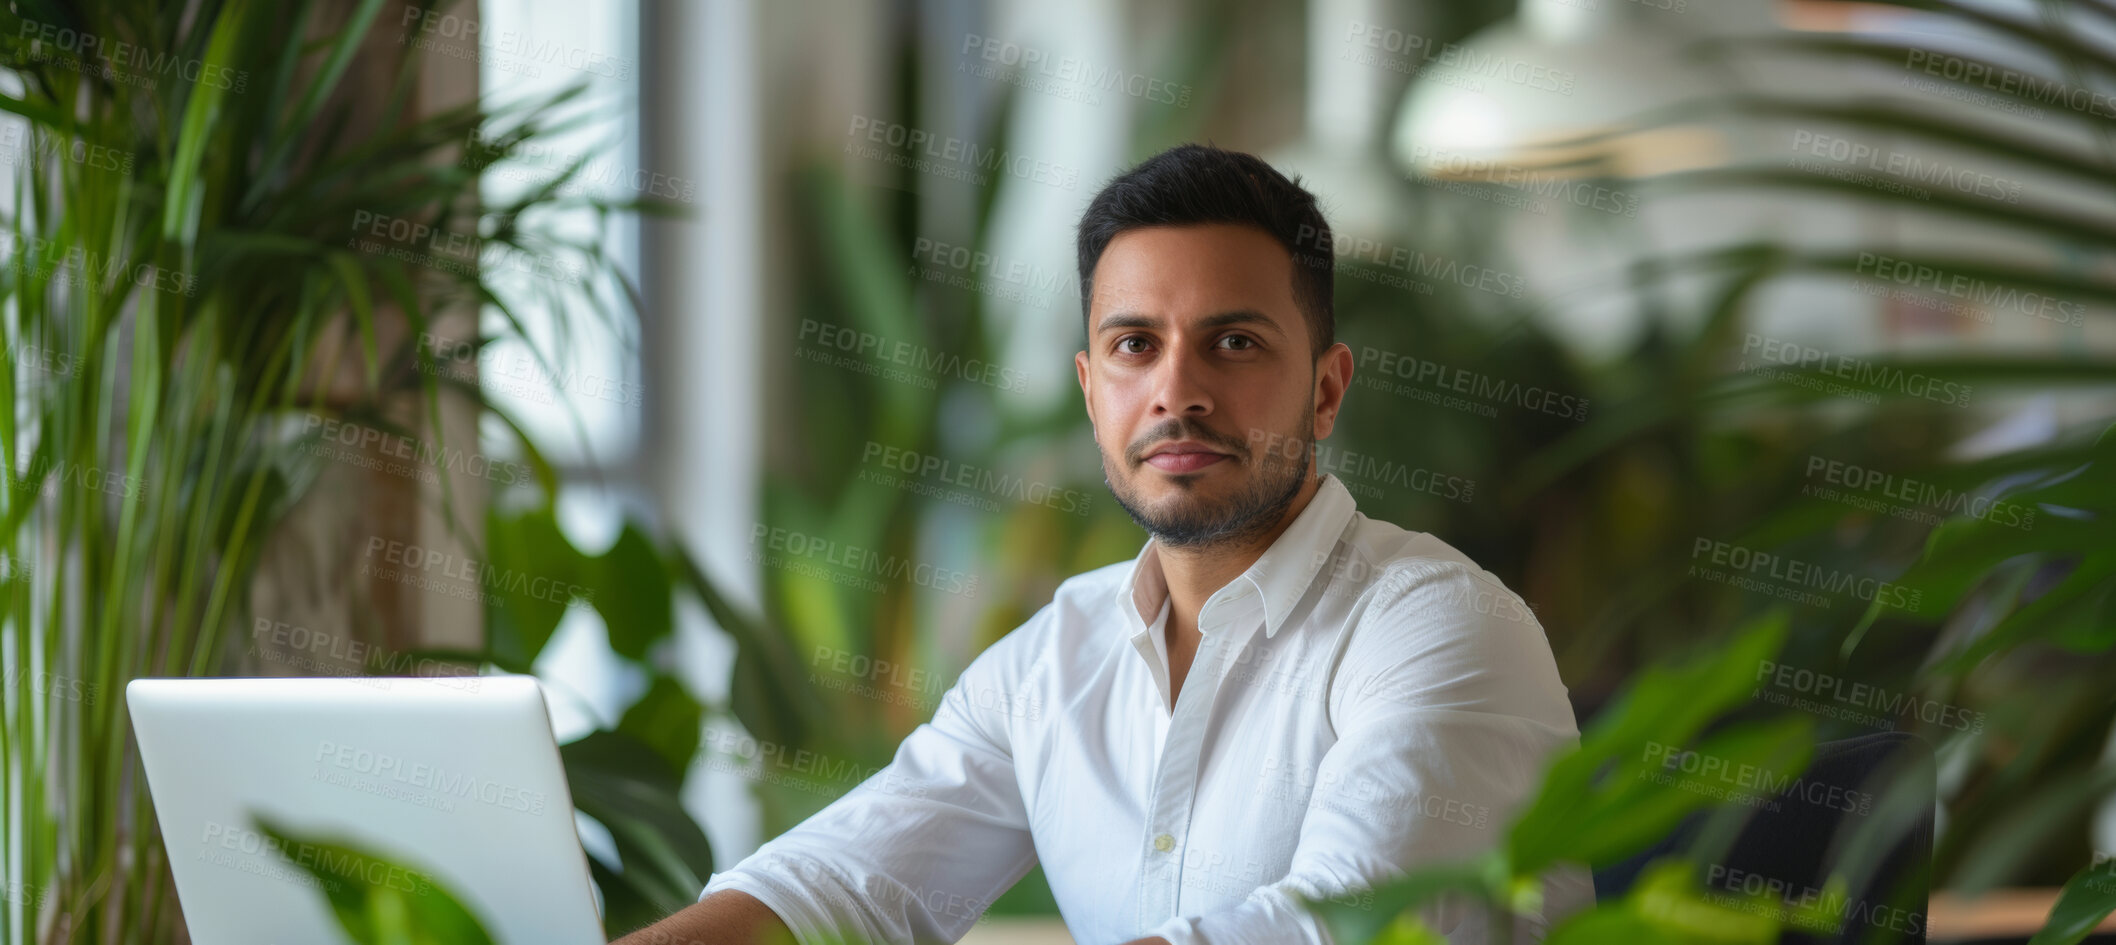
x: 457, y: 779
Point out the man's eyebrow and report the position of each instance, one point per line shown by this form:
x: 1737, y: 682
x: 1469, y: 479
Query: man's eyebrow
x: 1243, y: 316
x: 1127, y: 320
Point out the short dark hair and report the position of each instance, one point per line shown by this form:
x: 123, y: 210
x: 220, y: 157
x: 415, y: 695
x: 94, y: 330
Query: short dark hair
x: 1195, y: 184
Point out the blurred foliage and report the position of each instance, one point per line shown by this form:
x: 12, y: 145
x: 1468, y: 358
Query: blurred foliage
x: 179, y: 292
x: 627, y: 776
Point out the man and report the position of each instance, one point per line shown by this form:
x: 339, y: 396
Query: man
x: 1279, y: 697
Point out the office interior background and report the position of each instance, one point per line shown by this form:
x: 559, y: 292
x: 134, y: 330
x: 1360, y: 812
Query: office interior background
x: 711, y: 362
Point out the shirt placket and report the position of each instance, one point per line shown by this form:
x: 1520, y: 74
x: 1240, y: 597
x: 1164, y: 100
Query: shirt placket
x: 1176, y: 777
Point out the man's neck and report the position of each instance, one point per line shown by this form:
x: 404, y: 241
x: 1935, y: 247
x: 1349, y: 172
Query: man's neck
x: 1195, y: 574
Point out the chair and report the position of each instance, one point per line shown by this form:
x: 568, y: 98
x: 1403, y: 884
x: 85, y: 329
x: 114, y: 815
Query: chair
x: 1790, y: 852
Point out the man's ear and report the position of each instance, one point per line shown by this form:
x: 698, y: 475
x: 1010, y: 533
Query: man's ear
x: 1087, y: 390
x: 1333, y: 375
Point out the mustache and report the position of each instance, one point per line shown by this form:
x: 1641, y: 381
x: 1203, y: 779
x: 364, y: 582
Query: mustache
x: 1184, y: 428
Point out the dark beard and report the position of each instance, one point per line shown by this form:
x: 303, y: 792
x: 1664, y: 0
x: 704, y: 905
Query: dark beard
x: 1241, y: 519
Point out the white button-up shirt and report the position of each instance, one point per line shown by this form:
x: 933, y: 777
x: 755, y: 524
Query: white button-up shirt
x: 1363, y: 700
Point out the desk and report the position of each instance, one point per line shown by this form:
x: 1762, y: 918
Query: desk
x: 1999, y: 913
x: 1018, y: 930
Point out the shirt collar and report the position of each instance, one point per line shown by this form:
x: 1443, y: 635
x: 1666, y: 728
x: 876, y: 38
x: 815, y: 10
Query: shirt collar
x: 1281, y: 575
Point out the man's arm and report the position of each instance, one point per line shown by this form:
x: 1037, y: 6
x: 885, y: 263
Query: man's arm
x: 916, y: 852
x: 727, y: 917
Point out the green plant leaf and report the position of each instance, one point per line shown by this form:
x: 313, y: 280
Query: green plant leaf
x: 668, y: 720
x: 1666, y: 897
x: 356, y: 294
x: 528, y: 544
x: 632, y: 589
x: 2087, y: 899
x: 1597, y: 804
x: 633, y: 791
x: 769, y: 694
x: 179, y: 219
x: 379, y: 902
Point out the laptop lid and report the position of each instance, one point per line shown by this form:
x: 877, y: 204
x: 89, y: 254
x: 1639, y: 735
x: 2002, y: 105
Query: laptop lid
x: 457, y: 778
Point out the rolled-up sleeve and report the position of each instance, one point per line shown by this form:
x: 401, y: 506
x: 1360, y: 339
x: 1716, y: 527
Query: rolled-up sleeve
x: 916, y: 852
x: 1447, y: 706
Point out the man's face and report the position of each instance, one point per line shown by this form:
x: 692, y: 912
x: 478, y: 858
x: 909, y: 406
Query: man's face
x: 1199, y: 382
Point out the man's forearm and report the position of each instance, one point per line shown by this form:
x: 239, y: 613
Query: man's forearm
x: 727, y: 917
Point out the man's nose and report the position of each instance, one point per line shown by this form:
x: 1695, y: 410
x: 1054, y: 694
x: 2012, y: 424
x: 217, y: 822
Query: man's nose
x: 1181, y: 386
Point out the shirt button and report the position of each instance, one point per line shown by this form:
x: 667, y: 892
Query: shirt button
x: 1164, y: 843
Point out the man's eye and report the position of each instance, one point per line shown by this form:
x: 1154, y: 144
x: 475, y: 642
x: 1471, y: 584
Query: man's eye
x: 1122, y: 342
x: 1244, y: 342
